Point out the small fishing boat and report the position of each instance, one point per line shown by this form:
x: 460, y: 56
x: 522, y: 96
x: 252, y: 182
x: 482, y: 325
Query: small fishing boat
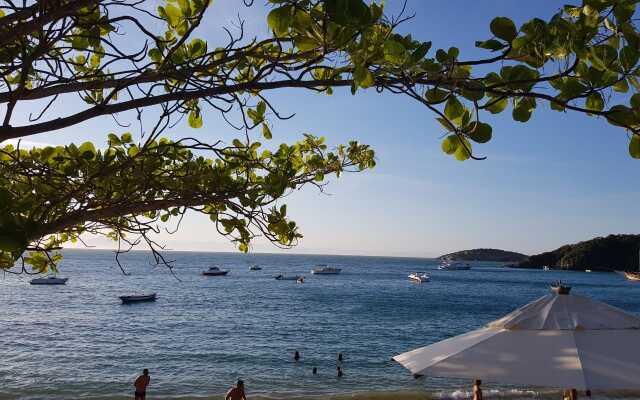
x: 215, y: 271
x: 140, y: 298
x: 419, y: 277
x: 49, y: 280
x: 282, y: 277
x: 323, y: 269
x: 546, y: 268
x: 255, y: 268
x: 300, y: 280
x: 448, y: 266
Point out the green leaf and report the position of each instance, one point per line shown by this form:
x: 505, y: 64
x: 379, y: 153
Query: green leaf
x: 462, y: 152
x: 634, y: 146
x: 394, y: 52
x: 261, y: 108
x: 198, y: 48
x: 595, y: 102
x: 450, y: 144
x: 435, y: 95
x: 491, y: 44
x: 504, y: 28
x: 266, y: 132
x: 629, y: 57
x: 87, y: 150
x: 348, y: 12
x: 635, y: 101
x: 280, y: 19
x: 195, y: 119
x: 523, y: 110
x: 454, y: 108
x: 363, y: 77
x: 480, y: 132
x: 126, y: 138
x: 421, y: 51
x: 173, y: 14
x: 621, y: 115
x: 497, y: 106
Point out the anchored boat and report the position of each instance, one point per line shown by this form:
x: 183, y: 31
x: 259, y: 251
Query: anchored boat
x: 138, y: 298
x: 448, y: 266
x: 282, y: 277
x: 419, y: 277
x: 215, y: 271
x: 323, y: 269
x: 49, y: 280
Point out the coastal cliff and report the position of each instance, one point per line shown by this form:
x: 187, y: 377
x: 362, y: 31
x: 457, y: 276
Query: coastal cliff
x: 614, y: 252
x: 484, y: 255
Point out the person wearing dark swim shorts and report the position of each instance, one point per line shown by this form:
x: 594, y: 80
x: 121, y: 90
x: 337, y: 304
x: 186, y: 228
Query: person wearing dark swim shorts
x: 141, y: 385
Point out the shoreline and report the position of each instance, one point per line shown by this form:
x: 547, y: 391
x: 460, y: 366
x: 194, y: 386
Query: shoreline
x: 435, y: 394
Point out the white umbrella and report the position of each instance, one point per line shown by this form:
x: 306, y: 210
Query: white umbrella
x: 559, y: 340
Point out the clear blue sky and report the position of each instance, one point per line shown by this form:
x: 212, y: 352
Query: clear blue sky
x: 559, y: 178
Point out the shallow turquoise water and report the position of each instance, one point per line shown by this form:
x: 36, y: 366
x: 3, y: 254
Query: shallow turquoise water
x: 204, y: 332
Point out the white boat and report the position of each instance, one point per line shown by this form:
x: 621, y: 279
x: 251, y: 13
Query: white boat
x: 214, y: 271
x: 447, y: 266
x: 323, y: 269
x: 49, y: 280
x: 138, y: 298
x: 632, y: 275
x: 546, y: 268
x: 255, y: 268
x: 419, y: 277
x: 282, y: 277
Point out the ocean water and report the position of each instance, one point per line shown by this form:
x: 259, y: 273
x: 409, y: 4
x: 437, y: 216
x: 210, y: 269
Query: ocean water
x: 78, y: 341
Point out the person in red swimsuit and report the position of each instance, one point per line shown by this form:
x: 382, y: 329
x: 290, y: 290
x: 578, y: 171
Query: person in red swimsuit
x: 141, y: 385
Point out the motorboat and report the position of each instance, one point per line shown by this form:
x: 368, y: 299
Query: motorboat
x: 282, y: 277
x: 559, y: 287
x: 323, y: 269
x: 300, y: 280
x: 140, y: 298
x: 632, y: 275
x: 255, y: 268
x: 215, y: 271
x: 447, y: 266
x: 546, y: 268
x: 419, y: 277
x: 49, y: 280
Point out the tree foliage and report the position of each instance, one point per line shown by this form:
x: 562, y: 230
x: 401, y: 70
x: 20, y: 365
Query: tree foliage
x: 583, y: 59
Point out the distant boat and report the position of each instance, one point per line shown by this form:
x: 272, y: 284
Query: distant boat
x: 49, y: 280
x: 419, y: 277
x: 456, y: 266
x: 632, y: 275
x: 546, y: 268
x: 560, y: 288
x: 282, y: 277
x: 255, y: 268
x: 215, y: 271
x: 323, y: 269
x: 587, y: 270
x: 138, y: 298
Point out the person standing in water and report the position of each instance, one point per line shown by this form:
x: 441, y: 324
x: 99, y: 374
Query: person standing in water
x: 477, y: 390
x: 296, y: 356
x: 141, y: 384
x: 237, y: 392
x: 340, y: 374
x: 339, y: 357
